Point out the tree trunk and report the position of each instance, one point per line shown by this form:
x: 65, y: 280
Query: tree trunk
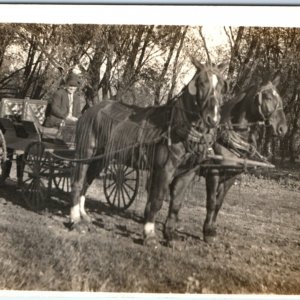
x: 235, y: 51
x: 175, y: 66
x: 163, y: 73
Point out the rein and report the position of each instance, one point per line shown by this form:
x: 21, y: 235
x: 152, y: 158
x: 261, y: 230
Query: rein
x: 100, y: 156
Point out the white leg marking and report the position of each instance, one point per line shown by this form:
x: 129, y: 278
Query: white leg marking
x: 81, y: 205
x: 149, y: 229
x: 75, y: 213
x: 83, y: 213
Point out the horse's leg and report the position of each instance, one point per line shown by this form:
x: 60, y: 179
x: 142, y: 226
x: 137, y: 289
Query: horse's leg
x: 223, y: 189
x: 212, y: 186
x: 20, y: 169
x: 93, y: 171
x: 178, y: 188
x: 215, y: 198
x: 158, y: 190
x: 77, y: 189
x: 6, y: 166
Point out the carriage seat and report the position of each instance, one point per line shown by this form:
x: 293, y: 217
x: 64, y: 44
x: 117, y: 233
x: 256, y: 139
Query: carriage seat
x: 48, y: 132
x: 64, y: 134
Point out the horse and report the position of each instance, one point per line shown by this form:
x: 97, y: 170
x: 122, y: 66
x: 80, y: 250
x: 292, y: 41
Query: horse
x: 110, y: 127
x: 255, y: 106
x: 262, y: 104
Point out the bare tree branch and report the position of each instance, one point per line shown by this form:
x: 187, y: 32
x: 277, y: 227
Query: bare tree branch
x: 204, y: 44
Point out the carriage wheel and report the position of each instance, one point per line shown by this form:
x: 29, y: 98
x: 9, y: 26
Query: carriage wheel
x: 120, y: 185
x: 62, y: 178
x: 36, y: 176
x: 3, y: 153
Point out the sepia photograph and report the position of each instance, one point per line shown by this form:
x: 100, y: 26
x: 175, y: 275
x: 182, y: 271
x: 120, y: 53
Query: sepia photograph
x: 149, y: 156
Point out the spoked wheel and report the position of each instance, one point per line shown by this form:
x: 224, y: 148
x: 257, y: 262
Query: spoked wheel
x: 3, y: 155
x: 62, y: 176
x: 120, y: 185
x: 36, y: 176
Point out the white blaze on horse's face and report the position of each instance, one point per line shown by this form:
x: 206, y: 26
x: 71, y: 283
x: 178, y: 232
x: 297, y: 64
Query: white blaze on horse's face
x: 215, y: 81
x: 274, y: 92
x: 216, y: 115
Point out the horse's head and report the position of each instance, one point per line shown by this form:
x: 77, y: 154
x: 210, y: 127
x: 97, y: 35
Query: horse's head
x: 206, y: 90
x: 270, y: 107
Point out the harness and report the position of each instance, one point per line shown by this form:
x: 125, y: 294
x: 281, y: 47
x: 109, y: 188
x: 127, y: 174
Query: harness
x: 230, y: 138
x: 196, y: 137
x: 277, y: 107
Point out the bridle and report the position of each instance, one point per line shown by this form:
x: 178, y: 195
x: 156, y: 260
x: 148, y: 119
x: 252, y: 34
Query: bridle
x: 194, y: 132
x: 278, y: 106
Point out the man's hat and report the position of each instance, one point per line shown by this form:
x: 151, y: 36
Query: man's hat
x: 73, y: 80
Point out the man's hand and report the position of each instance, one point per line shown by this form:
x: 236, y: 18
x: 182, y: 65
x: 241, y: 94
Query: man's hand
x: 72, y: 119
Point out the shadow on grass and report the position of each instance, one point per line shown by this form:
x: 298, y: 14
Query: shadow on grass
x: 58, y: 205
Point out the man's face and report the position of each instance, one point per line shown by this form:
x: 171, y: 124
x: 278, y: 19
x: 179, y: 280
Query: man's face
x: 71, y: 89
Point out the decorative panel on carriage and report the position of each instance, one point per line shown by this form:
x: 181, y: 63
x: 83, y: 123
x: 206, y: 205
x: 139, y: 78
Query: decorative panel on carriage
x: 23, y: 108
x: 38, y: 107
x: 11, y: 107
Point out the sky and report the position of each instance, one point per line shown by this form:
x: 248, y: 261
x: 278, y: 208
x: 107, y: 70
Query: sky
x: 163, y: 15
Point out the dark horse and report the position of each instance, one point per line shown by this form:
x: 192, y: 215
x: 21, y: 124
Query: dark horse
x: 254, y: 106
x: 262, y: 104
x: 111, y: 127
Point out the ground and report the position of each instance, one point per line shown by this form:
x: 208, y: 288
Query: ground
x: 257, y: 249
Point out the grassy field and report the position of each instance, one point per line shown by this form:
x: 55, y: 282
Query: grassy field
x: 257, y: 250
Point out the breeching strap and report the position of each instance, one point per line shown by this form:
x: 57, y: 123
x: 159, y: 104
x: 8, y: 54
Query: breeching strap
x: 100, y: 156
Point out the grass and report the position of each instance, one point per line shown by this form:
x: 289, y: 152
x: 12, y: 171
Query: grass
x: 256, y: 251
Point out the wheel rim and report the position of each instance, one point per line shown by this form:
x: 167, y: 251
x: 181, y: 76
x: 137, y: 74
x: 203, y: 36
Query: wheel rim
x: 36, y: 168
x: 34, y: 193
x: 120, y: 185
x: 3, y: 153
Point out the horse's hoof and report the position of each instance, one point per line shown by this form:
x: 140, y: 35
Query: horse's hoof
x: 209, y: 235
x: 151, y: 242
x: 171, y: 235
x: 175, y: 245
x: 210, y: 239
x: 78, y: 227
x: 86, y: 219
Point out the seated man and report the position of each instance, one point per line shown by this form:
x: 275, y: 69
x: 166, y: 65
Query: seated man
x: 65, y: 105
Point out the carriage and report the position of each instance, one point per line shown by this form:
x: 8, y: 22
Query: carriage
x: 48, y: 157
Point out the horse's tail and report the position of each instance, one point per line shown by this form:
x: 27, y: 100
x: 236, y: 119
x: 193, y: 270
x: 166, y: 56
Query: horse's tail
x: 92, y: 132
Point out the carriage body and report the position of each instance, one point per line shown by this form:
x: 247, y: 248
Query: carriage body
x: 23, y: 136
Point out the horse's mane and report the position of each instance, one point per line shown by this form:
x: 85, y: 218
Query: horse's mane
x: 243, y: 97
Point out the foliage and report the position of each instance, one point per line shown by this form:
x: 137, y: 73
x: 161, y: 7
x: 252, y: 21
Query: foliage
x: 148, y: 65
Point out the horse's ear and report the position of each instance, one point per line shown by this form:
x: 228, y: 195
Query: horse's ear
x: 276, y: 80
x: 192, y: 87
x: 221, y: 67
x: 196, y: 62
